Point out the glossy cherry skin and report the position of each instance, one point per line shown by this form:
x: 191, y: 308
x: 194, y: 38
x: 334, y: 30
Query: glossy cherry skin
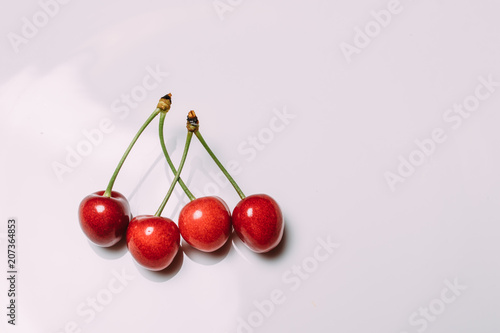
x: 258, y: 222
x: 104, y: 220
x: 205, y: 223
x: 153, y: 241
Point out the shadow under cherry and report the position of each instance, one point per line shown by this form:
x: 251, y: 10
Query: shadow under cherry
x: 110, y: 253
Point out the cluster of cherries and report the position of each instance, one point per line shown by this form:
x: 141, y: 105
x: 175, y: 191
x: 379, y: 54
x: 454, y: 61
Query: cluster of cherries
x: 204, y: 223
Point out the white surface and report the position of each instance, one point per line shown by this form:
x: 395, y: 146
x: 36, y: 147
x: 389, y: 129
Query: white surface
x: 399, y: 250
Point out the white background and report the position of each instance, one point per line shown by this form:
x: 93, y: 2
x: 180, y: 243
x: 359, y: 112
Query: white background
x: 352, y: 119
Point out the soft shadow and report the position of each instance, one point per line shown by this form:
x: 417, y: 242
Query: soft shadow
x: 206, y: 258
x: 240, y: 248
x: 146, y: 174
x: 114, y: 252
x: 165, y: 274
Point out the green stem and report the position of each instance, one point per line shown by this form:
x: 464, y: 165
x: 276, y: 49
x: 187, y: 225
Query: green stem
x: 107, y: 193
x: 231, y: 180
x: 165, y: 152
x: 177, y: 175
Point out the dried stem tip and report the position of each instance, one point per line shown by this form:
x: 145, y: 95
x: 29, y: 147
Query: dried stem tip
x: 192, y: 122
x: 165, y: 102
x: 192, y: 116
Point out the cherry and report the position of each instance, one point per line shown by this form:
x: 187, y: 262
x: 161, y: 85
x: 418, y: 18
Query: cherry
x: 257, y: 219
x: 205, y: 223
x: 258, y: 222
x: 103, y: 219
x: 104, y: 215
x: 153, y: 241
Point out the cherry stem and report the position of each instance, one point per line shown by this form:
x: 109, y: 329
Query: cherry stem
x: 177, y: 175
x: 169, y: 160
x: 163, y: 105
x: 107, y: 193
x: 231, y: 180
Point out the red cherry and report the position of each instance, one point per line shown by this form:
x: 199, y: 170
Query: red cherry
x: 258, y: 222
x: 205, y: 223
x: 103, y: 219
x: 153, y: 241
